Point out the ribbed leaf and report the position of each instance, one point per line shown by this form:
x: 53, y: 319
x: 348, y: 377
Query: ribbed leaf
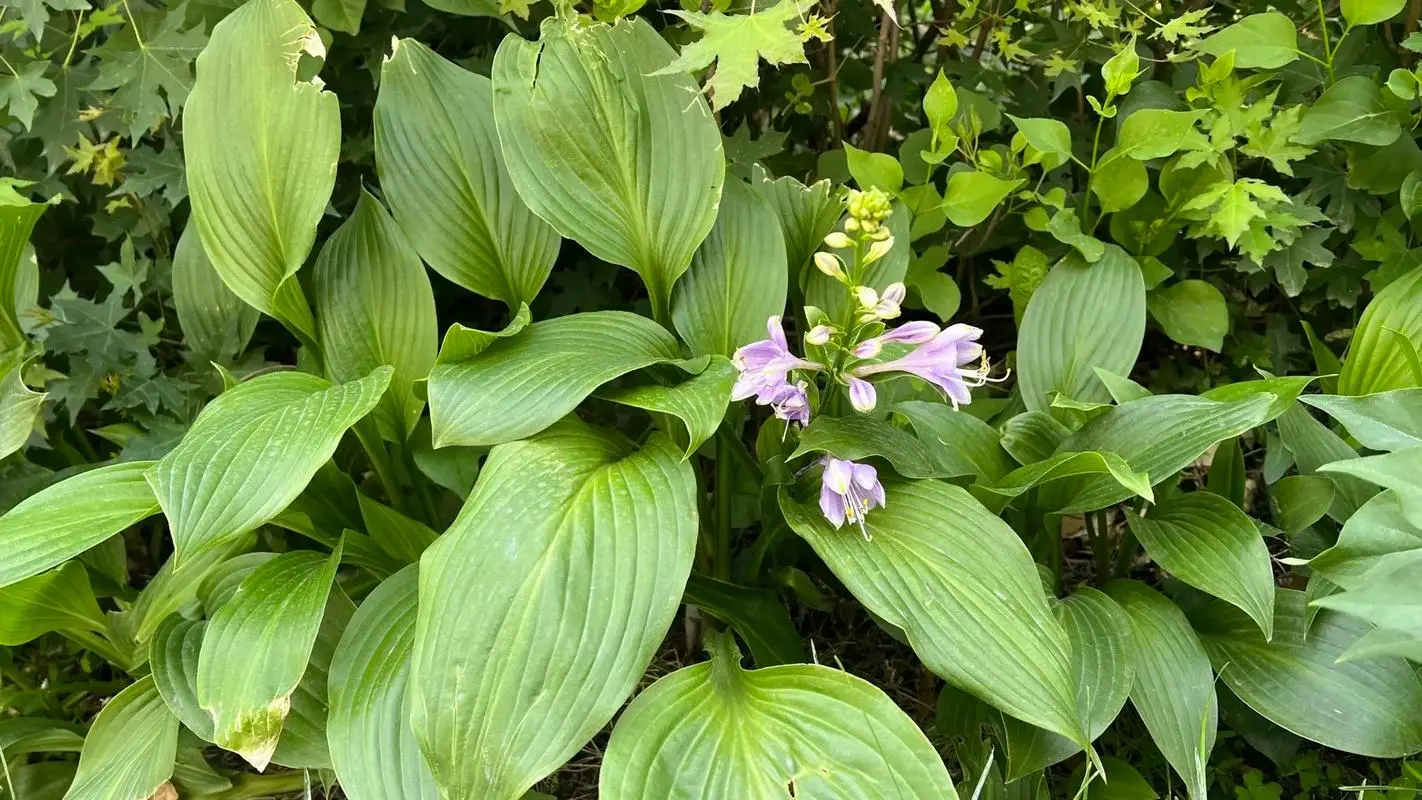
x: 717, y: 730
x: 1206, y: 541
x: 261, y: 149
x: 63, y: 520
x: 252, y: 451
x: 303, y: 739
x: 1060, y: 347
x: 699, y: 399
x: 807, y: 215
x: 374, y: 307
x: 1158, y: 435
x: 173, y: 653
x: 438, y: 156
x: 404, y: 539
x: 372, y: 746
x: 19, y: 409
x: 737, y: 278
x: 1313, y: 445
x: 130, y: 750
x: 1377, y: 357
x: 58, y: 600
x: 1371, y: 706
x: 964, y: 443
x: 758, y: 616
x: 859, y: 437
x: 1174, y: 690
x: 1375, y: 541
x: 1383, y: 421
x: 17, y: 220
x: 256, y: 649
x: 1066, y: 465
x: 1033, y: 436
x: 503, y: 696
x: 625, y: 162
x: 1301, y: 500
x: 961, y: 585
x: 1400, y: 471
x: 1387, y: 599
x: 216, y: 323
x: 518, y: 386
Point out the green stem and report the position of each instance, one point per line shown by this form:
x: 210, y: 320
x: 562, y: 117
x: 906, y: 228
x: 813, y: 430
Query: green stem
x: 251, y: 787
x: 1323, y: 33
x: 1096, y: 531
x: 1091, y: 173
x: 724, y: 478
x: 408, y: 473
x: 100, y: 646
x: 381, y: 463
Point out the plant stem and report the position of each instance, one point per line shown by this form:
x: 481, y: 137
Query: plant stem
x: 381, y: 464
x: 1091, y: 173
x: 1323, y: 33
x: 1097, y: 531
x: 724, y: 476
x: 251, y: 787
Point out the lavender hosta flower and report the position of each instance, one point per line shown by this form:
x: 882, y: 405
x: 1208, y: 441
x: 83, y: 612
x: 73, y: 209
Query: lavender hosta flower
x: 765, y: 365
x: 848, y: 491
x: 791, y: 403
x: 941, y: 361
x: 908, y: 333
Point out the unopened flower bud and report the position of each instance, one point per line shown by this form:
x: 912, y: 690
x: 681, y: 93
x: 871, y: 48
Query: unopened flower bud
x: 851, y: 225
x: 867, y: 297
x: 888, y: 305
x: 819, y: 335
x: 878, y: 250
x: 829, y: 264
x: 868, y: 348
x: 838, y: 241
x: 862, y: 395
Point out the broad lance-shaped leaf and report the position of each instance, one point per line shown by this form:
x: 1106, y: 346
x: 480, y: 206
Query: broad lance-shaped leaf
x: 964, y: 443
x: 1158, y: 435
x: 17, y: 220
x: 1400, y: 471
x: 130, y: 749
x: 374, y: 306
x: 437, y: 153
x: 1102, y: 645
x: 303, y: 739
x: 1371, y: 706
x: 737, y: 278
x: 1174, y: 690
x: 859, y: 437
x: 19, y: 409
x: 63, y: 520
x: 216, y: 323
x: 58, y: 600
x: 1206, y: 541
x: 626, y: 162
x: 252, y: 451
x: 807, y: 215
x: 1060, y: 347
x: 717, y: 730
x: 1384, y: 421
x: 698, y: 399
x: 517, y: 386
x: 173, y: 654
x: 261, y: 149
x: 1313, y: 445
x: 372, y: 746
x: 502, y: 697
x: 1377, y: 357
x: 1375, y: 541
x: 256, y: 649
x: 1066, y: 465
x: 961, y: 585
x: 758, y: 615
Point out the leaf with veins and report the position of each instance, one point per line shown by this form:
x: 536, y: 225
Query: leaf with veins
x: 737, y: 43
x: 150, y: 74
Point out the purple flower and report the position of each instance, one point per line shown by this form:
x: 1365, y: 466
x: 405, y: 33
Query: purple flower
x: 907, y: 333
x: 765, y: 364
x: 941, y: 361
x: 848, y: 491
x: 861, y: 394
x: 791, y: 404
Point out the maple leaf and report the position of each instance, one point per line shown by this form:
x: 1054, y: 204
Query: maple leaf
x: 35, y: 13
x: 58, y: 125
x: 737, y: 43
x: 21, y: 89
x: 1272, y: 142
x: 1184, y: 27
x: 149, y: 74
x: 1288, y: 262
x: 103, y: 159
x: 152, y: 171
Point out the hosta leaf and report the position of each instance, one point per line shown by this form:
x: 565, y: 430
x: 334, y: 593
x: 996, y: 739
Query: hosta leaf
x: 1066, y: 465
x: 964, y: 444
x: 1301, y: 500
x: 644, y: 202
x: 807, y: 215
x: 1384, y: 421
x: 256, y: 649
x: 1259, y: 41
x: 130, y: 750
x: 1313, y: 445
x: 859, y: 437
x: 374, y: 307
x: 1206, y: 541
x: 1060, y: 347
x: 261, y: 149
x: 303, y: 739
x: 1400, y: 472
x: 19, y: 409
x: 252, y: 451
x: 717, y: 730
x: 1174, y: 690
x: 520, y: 385
x: 756, y: 614
x: 63, y: 520
x: 1033, y: 436
x: 404, y: 539
x: 1390, y: 600
x: 173, y: 654
x: 699, y: 400
x: 1158, y: 435
x: 1377, y: 358
x: 574, y: 512
x: 437, y: 153
x: 17, y: 219
x: 1371, y: 706
x: 1374, y: 541
x: 737, y: 43
x: 216, y: 323
x: 372, y: 746
x: 57, y: 600
x: 737, y: 279
x: 961, y: 585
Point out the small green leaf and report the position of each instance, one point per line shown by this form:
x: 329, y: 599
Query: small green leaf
x: 1119, y: 183
x: 173, y: 654
x: 19, y: 410
x: 940, y: 105
x: 1259, y: 41
x: 1192, y: 312
x: 971, y: 196
x: 874, y: 170
x: 1300, y: 501
x: 1313, y: 445
x: 1156, y: 133
x: 756, y: 614
x: 1369, y: 12
x: 130, y: 750
x: 737, y: 43
x: 339, y: 15
x: 1045, y: 135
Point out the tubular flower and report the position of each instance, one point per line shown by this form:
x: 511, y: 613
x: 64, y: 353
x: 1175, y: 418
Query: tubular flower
x: 848, y: 491
x: 765, y: 364
x: 916, y: 332
x: 791, y: 404
x: 862, y: 394
x: 941, y: 361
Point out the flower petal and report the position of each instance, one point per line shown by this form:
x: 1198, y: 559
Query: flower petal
x: 862, y: 395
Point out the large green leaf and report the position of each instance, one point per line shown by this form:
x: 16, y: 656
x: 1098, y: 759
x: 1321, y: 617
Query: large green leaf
x: 1259, y: 41
x: 699, y: 399
x: 1174, y: 690
x: 717, y: 730
x: 756, y: 614
x: 252, y: 451
x: 1377, y: 361
x: 216, y: 323
x: 1206, y: 541
x: 17, y: 220
x: 807, y: 215
x: 303, y: 739
x: 130, y: 750
x: 859, y: 437
x: 1375, y: 541
x: 63, y: 520
x: 1371, y: 706
x: 256, y: 648
x: 1313, y: 446
x: 961, y: 585
x: 1351, y: 110
x: 625, y: 162
x: 437, y: 152
x: 520, y: 385
x: 1391, y: 600
x: 1301, y: 500
x: 1066, y: 465
x: 576, y: 512
x: 374, y: 307
x: 1158, y: 435
x: 1387, y: 421
x: 1060, y: 346
x: 261, y: 149
x: 964, y: 444
x: 372, y: 746
x: 737, y: 279
x: 19, y: 409
x: 1400, y: 472
x: 173, y: 654
x: 58, y: 600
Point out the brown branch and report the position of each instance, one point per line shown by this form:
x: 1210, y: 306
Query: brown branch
x: 880, y: 108
x: 1409, y: 27
x: 832, y: 64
